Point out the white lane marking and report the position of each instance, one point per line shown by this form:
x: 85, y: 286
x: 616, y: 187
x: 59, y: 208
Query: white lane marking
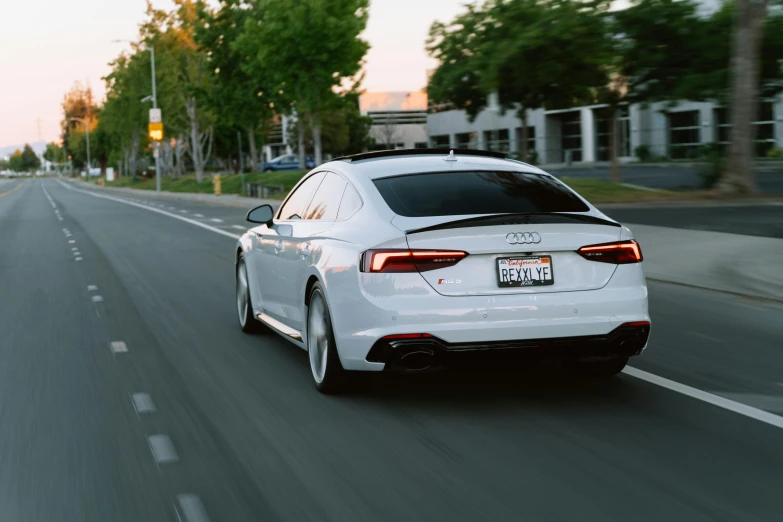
x: 198, y: 215
x: 216, y: 220
x: 191, y: 508
x: 162, y: 449
x: 760, y: 401
x: 709, y: 398
x: 78, y: 259
x: 142, y: 403
x: 74, y: 248
x: 171, y: 208
x: 713, y: 339
x: 183, y: 211
x: 72, y: 241
x: 118, y: 347
x: 240, y: 227
x: 92, y: 288
x: 169, y: 214
x: 640, y: 187
x: 97, y: 299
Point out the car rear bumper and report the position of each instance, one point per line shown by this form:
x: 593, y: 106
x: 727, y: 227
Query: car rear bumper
x: 541, y: 326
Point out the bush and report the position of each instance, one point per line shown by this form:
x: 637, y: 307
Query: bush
x: 643, y: 153
x: 532, y: 157
x: 775, y: 152
x: 710, y: 173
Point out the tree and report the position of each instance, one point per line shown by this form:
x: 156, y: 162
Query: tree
x: 15, y: 162
x: 738, y: 175
x: 78, y: 103
x: 310, y: 48
x: 30, y: 162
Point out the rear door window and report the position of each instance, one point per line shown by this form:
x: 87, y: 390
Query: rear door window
x: 326, y: 201
x: 476, y: 192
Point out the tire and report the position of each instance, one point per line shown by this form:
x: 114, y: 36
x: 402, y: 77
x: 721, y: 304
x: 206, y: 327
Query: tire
x: 328, y: 374
x: 247, y: 322
x: 598, y: 370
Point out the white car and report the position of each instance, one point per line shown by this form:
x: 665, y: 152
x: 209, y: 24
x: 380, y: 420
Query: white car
x: 412, y: 260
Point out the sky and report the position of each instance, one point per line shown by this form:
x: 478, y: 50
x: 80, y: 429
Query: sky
x: 47, y: 45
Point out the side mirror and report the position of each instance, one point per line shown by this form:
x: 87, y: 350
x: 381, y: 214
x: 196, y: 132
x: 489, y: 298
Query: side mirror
x: 262, y: 214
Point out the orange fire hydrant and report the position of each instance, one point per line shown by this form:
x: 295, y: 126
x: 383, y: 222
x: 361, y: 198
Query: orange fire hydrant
x: 216, y: 184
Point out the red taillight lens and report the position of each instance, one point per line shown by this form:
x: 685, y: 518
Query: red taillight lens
x: 409, y: 260
x: 408, y: 336
x: 620, y: 253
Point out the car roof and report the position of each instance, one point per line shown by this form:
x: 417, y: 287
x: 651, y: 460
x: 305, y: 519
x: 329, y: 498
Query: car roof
x: 419, y: 161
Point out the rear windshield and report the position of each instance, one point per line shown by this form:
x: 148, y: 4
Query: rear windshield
x: 462, y: 193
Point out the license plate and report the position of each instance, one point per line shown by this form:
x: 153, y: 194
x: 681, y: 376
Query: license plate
x: 525, y: 271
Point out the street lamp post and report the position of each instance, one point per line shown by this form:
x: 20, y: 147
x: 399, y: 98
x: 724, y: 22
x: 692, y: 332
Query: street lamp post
x: 86, y: 126
x: 154, y: 106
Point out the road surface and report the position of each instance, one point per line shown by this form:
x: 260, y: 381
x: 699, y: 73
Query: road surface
x: 129, y: 393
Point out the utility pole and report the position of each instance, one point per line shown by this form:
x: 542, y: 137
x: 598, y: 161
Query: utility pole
x: 155, y: 106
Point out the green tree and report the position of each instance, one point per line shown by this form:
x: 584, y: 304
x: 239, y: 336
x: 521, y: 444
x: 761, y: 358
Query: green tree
x: 308, y: 49
x: 30, y: 160
x: 4, y: 164
x: 15, y: 162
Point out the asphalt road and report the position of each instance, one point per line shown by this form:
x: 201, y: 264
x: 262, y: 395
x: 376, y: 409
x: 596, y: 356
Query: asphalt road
x: 239, y: 430
x: 674, y: 176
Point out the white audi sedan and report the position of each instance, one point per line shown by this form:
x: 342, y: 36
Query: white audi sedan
x: 424, y: 259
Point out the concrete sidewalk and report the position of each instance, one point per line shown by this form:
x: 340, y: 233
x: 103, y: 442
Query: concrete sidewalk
x: 739, y: 264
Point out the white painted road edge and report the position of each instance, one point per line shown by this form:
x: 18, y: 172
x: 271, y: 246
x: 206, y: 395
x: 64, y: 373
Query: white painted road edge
x: 694, y: 393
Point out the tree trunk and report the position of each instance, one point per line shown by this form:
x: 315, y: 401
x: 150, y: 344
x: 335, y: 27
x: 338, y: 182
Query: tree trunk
x: 134, y: 148
x: 300, y: 127
x: 614, y: 166
x: 195, y: 139
x: 523, y: 152
x: 738, y: 176
x: 251, y: 140
x: 315, y: 125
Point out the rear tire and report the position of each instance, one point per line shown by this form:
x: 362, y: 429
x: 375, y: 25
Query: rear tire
x: 598, y: 370
x: 329, y: 376
x: 247, y: 321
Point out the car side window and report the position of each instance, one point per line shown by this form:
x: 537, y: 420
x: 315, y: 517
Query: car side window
x: 295, y: 206
x: 350, y: 204
x: 326, y: 201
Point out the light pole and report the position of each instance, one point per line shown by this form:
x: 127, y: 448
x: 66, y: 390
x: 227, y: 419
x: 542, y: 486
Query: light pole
x: 86, y: 126
x: 154, y: 106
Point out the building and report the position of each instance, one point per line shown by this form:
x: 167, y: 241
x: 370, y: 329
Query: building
x: 581, y: 134
x: 399, y: 118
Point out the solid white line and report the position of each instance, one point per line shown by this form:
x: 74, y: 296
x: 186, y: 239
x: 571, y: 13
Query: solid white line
x: 192, y: 509
x: 162, y: 449
x: 118, y: 347
x: 169, y: 214
x: 216, y: 220
x: 715, y: 400
x: 92, y: 288
x: 97, y: 299
x: 142, y: 403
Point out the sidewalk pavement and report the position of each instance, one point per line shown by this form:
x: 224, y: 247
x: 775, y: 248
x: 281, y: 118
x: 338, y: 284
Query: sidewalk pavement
x: 228, y: 200
x: 745, y: 265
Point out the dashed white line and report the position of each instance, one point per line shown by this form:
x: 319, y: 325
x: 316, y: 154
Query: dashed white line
x: 183, y: 211
x: 92, y: 288
x: 78, y: 259
x: 142, y: 403
x: 191, y: 508
x: 162, y: 449
x: 74, y: 248
x: 72, y: 241
x: 216, y: 220
x: 118, y: 346
x: 239, y: 227
x: 703, y: 336
x: 715, y: 400
x: 171, y: 208
x: 97, y: 299
x: 198, y: 215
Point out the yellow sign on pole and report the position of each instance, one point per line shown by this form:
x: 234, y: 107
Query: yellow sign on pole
x: 155, y: 131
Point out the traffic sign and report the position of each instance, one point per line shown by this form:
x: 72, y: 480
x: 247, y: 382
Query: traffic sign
x: 155, y: 116
x: 155, y: 131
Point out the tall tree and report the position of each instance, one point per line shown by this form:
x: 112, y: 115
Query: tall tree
x: 15, y: 162
x: 78, y: 103
x: 30, y: 160
x: 310, y: 48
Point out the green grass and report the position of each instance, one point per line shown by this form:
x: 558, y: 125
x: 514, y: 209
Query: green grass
x: 229, y: 184
x: 594, y: 190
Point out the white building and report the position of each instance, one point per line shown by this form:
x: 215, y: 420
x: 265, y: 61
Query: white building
x: 399, y: 118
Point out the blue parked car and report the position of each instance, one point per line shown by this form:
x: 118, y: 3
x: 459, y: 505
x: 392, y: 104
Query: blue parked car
x: 287, y: 162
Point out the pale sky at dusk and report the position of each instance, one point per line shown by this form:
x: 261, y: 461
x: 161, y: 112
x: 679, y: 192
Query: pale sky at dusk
x: 46, y: 45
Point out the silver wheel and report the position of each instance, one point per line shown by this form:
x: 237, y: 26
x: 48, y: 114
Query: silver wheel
x: 317, y: 337
x: 242, y: 290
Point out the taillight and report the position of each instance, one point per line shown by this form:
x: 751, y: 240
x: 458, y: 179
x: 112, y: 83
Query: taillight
x: 619, y: 253
x: 397, y: 260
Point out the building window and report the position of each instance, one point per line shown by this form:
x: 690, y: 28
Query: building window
x: 764, y: 128
x: 467, y: 140
x: 420, y: 145
x: 497, y: 140
x: 603, y: 136
x: 441, y: 141
x: 571, y: 137
x: 684, y: 134
x: 531, y: 142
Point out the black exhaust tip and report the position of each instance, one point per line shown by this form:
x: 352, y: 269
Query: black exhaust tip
x: 418, y: 360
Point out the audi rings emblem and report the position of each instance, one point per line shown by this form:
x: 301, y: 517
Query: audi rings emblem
x: 523, y: 238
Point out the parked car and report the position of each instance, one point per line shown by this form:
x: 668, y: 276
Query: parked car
x: 423, y: 259
x: 286, y: 162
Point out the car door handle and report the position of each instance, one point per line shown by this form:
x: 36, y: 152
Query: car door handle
x: 305, y: 251
x: 278, y: 246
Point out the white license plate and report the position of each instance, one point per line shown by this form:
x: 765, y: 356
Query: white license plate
x: 525, y: 271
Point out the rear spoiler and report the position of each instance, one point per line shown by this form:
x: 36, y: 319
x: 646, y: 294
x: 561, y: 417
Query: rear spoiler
x: 528, y: 218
